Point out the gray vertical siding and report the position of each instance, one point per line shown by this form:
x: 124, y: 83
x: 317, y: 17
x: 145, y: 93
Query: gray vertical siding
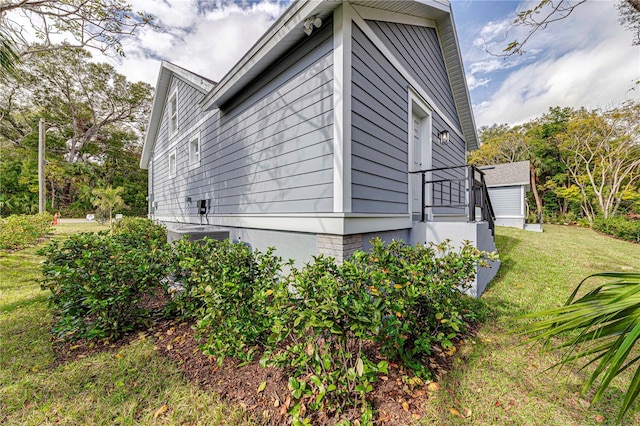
x: 268, y: 150
x: 379, y: 150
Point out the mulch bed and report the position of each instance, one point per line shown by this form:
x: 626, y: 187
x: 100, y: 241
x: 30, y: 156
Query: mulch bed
x: 394, y: 400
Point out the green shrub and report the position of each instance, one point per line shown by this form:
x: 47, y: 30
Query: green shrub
x: 228, y: 288
x: 99, y: 283
x: 423, y: 291
x: 406, y: 298
x: 19, y: 231
x: 325, y: 314
x: 140, y: 232
x: 619, y: 227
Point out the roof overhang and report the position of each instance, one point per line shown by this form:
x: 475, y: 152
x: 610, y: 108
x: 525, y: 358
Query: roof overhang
x: 289, y: 30
x: 167, y: 72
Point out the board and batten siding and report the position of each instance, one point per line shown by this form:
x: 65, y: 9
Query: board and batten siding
x: 379, y: 112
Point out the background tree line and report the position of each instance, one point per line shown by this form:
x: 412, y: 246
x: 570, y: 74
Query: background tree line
x: 94, y: 119
x: 584, y: 163
x: 94, y: 116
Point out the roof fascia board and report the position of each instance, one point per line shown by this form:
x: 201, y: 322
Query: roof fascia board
x: 442, y: 5
x: 372, y: 14
x: 167, y: 71
x: 397, y: 65
x: 471, y: 138
x: 159, y: 97
x: 291, y: 19
x: 196, y: 81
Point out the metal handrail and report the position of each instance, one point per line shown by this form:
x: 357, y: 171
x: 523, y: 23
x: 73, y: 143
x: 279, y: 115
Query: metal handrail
x: 472, y: 187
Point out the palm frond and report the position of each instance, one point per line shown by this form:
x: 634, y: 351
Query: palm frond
x: 601, y: 327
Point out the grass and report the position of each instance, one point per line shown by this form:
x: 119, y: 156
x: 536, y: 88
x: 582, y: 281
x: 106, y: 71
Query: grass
x: 496, y: 379
x: 502, y: 380
x: 132, y: 386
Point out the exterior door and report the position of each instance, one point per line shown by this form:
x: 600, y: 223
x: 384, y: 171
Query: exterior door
x: 419, y: 156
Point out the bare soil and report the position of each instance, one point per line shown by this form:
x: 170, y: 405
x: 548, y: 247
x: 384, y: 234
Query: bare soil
x: 395, y: 401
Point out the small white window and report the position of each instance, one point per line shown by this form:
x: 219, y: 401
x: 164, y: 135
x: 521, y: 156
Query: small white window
x: 173, y: 112
x: 194, y: 151
x: 172, y: 164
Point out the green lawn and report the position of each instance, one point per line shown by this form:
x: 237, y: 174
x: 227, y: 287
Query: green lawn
x: 503, y: 381
x: 495, y: 381
x: 132, y: 386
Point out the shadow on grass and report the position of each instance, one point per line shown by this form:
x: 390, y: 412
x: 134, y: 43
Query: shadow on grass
x: 506, y: 246
x: 497, y: 306
x: 25, y: 303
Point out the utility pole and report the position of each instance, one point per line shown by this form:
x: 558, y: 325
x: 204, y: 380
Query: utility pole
x: 41, y: 199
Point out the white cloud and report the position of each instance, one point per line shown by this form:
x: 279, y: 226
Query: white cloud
x: 473, y: 82
x: 208, y: 42
x: 585, y: 60
x: 589, y: 77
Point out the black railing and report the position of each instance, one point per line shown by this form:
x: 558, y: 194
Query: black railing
x: 456, y: 188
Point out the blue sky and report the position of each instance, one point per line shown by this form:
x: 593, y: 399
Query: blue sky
x: 584, y: 60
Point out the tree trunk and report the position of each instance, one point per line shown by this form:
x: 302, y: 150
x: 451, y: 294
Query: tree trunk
x: 534, y: 186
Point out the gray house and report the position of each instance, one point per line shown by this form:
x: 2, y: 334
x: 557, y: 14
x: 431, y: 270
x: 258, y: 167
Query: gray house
x: 508, y: 185
x: 345, y: 121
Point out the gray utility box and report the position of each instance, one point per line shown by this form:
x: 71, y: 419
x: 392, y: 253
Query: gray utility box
x: 197, y: 232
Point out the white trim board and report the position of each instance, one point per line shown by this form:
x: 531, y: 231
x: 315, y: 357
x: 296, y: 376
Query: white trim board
x: 342, y: 108
x: 337, y: 224
x: 372, y: 14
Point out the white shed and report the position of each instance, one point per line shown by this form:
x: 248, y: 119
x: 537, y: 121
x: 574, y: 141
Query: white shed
x: 508, y: 185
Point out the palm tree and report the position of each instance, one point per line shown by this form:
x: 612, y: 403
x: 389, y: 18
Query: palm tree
x: 9, y: 57
x: 109, y: 199
x: 603, y: 326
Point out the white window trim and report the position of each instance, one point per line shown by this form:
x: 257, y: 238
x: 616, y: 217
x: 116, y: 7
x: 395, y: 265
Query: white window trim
x: 173, y: 129
x: 195, y: 163
x: 174, y: 154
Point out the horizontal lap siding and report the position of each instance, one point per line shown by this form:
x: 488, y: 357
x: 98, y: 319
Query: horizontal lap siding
x: 379, y: 179
x: 419, y: 52
x: 506, y: 201
x: 274, y: 149
x: 170, y: 193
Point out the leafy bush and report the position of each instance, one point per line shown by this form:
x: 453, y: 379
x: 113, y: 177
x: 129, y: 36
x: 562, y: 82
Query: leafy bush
x: 140, y: 232
x: 19, y: 231
x: 228, y: 288
x: 325, y: 313
x: 99, y: 283
x: 619, y: 227
x: 406, y: 298
x: 423, y: 292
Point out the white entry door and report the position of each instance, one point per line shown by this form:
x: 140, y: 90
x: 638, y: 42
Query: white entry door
x: 419, y: 155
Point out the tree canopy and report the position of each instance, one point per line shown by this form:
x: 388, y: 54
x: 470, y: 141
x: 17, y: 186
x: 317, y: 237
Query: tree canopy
x: 584, y: 163
x: 33, y: 26
x: 94, y: 117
